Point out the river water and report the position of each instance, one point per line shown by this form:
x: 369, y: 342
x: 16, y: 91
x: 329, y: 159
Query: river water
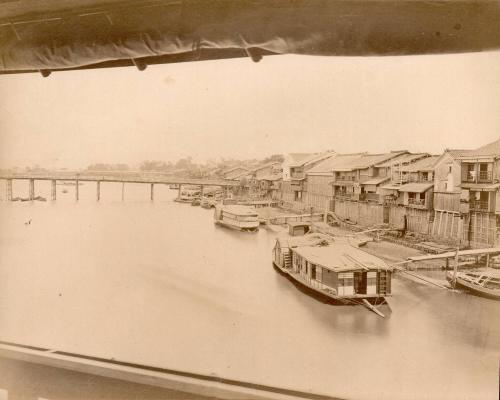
x: 158, y: 283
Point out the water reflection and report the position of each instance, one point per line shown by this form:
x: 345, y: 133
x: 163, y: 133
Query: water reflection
x: 157, y: 283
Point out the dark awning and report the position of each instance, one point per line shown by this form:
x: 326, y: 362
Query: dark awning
x: 46, y: 35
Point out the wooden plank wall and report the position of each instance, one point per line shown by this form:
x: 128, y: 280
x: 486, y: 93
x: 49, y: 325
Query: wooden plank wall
x: 482, y: 229
x: 362, y: 213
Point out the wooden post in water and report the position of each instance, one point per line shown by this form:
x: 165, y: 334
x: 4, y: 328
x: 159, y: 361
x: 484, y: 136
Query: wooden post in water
x: 179, y: 191
x: 202, y: 190
x: 32, y: 189
x: 53, y: 191
x: 455, y: 269
x: 123, y: 191
x: 98, y: 190
x: 9, y: 189
x: 152, y: 191
x: 77, y: 193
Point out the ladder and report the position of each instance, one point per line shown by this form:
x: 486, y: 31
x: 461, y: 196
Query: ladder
x: 288, y: 260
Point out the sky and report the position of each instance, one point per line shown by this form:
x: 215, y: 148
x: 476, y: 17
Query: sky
x: 241, y: 109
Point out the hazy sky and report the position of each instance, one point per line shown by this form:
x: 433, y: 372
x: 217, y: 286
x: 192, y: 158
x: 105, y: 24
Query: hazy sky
x: 241, y: 109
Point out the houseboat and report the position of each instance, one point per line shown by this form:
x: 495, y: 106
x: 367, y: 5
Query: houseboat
x: 238, y: 217
x: 187, y: 195
x: 483, y: 283
x: 332, y: 267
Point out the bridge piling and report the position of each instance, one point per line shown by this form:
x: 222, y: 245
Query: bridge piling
x: 32, y: 190
x: 152, y: 192
x: 77, y: 187
x: 53, y: 191
x: 98, y: 190
x: 8, y: 190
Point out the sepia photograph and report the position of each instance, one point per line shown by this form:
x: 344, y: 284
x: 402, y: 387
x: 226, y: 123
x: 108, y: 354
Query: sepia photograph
x: 249, y: 199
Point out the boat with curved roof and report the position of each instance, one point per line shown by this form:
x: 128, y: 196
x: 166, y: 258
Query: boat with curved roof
x: 333, y: 267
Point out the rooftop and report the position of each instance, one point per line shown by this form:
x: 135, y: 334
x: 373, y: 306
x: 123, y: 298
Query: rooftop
x: 490, y: 149
x: 424, y: 164
x: 310, y: 158
x: 240, y: 210
x: 336, y: 256
x: 329, y: 165
x: 402, y: 159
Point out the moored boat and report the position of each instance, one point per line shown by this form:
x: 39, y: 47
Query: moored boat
x: 187, y: 195
x: 237, y: 217
x: 484, y: 283
x: 332, y: 268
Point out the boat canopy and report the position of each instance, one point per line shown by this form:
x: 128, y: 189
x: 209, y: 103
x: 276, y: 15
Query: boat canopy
x: 240, y: 210
x: 331, y: 254
x: 340, y: 257
x: 48, y: 35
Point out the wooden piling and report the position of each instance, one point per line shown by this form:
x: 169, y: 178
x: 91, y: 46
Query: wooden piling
x: 53, y: 191
x: 152, y: 192
x: 179, y: 191
x: 32, y: 189
x: 123, y: 191
x: 98, y: 190
x: 9, y: 189
x: 77, y: 192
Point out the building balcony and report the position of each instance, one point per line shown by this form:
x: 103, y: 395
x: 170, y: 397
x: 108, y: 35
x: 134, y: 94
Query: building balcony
x: 346, y: 178
x: 373, y: 197
x: 344, y: 196
x: 474, y: 177
x: 479, y: 205
x: 416, y: 202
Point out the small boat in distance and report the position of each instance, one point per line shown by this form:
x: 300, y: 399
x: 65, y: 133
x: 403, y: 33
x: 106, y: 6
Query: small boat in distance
x: 332, y: 267
x: 484, y: 283
x: 187, y: 195
x: 173, y: 186
x: 237, y: 217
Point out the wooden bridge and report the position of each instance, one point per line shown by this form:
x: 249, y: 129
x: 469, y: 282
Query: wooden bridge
x: 150, y: 178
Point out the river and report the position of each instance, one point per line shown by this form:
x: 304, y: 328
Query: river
x: 158, y: 283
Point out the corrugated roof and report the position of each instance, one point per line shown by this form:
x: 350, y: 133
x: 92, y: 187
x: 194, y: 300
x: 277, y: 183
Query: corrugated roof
x: 425, y: 164
x: 415, y: 187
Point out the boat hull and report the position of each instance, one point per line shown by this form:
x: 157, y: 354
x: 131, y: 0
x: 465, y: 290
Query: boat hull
x: 237, y: 228
x: 475, y: 289
x: 183, y: 200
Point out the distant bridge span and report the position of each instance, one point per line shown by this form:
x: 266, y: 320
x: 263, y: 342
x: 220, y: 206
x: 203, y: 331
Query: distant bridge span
x: 98, y: 177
